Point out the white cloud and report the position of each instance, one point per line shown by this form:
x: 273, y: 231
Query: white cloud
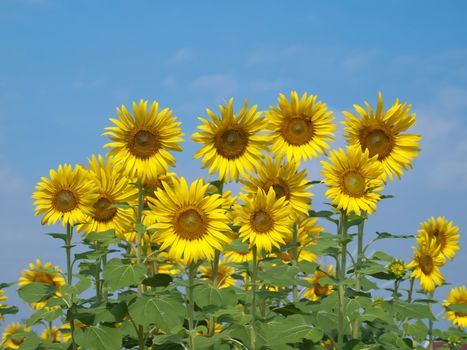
x: 9, y: 182
x: 273, y: 55
x: 443, y: 127
x: 184, y: 54
x: 170, y: 82
x: 223, y: 85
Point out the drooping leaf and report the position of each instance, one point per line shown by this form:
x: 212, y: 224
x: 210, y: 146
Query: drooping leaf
x: 36, y: 291
x: 98, y: 338
x: 119, y: 274
x: 164, y: 311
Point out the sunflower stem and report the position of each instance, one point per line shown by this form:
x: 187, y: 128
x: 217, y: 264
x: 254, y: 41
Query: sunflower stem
x: 105, y: 291
x: 253, y: 297
x: 215, y: 273
x: 294, y: 260
x: 97, y: 276
x: 69, y: 272
x: 191, y: 304
x: 341, y: 265
x: 139, y: 216
x: 358, y: 276
x: 409, y: 296
x: 430, y: 324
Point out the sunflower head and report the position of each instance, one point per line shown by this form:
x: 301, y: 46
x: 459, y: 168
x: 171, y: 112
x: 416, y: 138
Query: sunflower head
x: 191, y: 224
x: 353, y: 178
x: 457, y: 296
x: 264, y: 220
x: 224, y: 275
x: 12, y: 337
x: 425, y: 265
x: 319, y: 290
x: 111, y: 187
x: 383, y: 134
x: 398, y: 268
x: 231, y: 143
x: 301, y: 128
x: 141, y: 141
x: 285, y: 179
x: 443, y: 232
x: 67, y: 195
x: 53, y: 334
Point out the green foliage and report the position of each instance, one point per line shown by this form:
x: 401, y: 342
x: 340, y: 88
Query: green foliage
x: 119, y: 274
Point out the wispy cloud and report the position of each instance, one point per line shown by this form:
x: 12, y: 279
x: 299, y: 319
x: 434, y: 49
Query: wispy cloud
x: 185, y: 54
x: 273, y: 55
x: 170, y: 82
x: 223, y: 85
x: 262, y: 85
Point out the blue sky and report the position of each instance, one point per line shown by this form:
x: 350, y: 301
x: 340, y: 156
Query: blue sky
x: 65, y: 66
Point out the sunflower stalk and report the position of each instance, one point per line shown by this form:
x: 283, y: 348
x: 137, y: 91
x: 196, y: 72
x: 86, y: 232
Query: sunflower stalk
x: 215, y: 273
x: 341, y: 267
x: 358, y: 276
x: 294, y: 260
x: 253, y: 297
x: 430, y: 324
x: 191, y: 304
x: 97, y: 276
x: 69, y: 272
x: 139, y: 216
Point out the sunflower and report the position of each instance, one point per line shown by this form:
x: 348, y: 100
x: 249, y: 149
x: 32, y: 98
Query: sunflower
x: 54, y: 335
x: 286, y: 180
x: 457, y: 296
x: 2, y: 297
x: 353, y: 178
x: 67, y: 195
x: 65, y: 330
x: 307, y: 230
x: 232, y: 145
x: 217, y: 329
x: 318, y: 290
x: 264, y: 220
x: 42, y: 273
x: 238, y: 257
x: 141, y: 142
x: 425, y: 265
x: 398, y: 268
x: 301, y: 128
x: 111, y: 187
x: 443, y: 232
x: 224, y: 275
x: 383, y: 135
x: 191, y: 224
x: 10, y: 338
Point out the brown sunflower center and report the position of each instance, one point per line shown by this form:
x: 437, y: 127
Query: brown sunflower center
x: 190, y: 223
x: 297, y: 130
x: 65, y: 201
x: 102, y: 210
x: 16, y: 341
x: 143, y: 143
x: 321, y: 290
x: 262, y: 221
x: 280, y: 188
x: 378, y: 142
x: 44, y: 277
x: 354, y: 183
x: 231, y: 143
x: 426, y: 264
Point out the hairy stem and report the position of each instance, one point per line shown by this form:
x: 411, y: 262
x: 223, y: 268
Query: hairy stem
x: 253, y: 297
x: 341, y: 278
x: 69, y: 272
x: 294, y: 261
x: 358, y: 276
x: 191, y: 304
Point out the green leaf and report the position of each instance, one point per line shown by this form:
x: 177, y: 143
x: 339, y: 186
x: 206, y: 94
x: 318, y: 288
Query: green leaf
x: 43, y: 314
x: 158, y: 280
x: 104, y: 237
x: 205, y: 295
x: 462, y: 308
x: 119, y: 275
x: 383, y: 235
x: 110, y: 312
x: 164, y: 311
x: 98, y: 338
x: 291, y: 329
x: 61, y: 236
x: 36, y: 291
x: 30, y: 340
x: 418, y: 330
x: 413, y: 311
x: 238, y: 246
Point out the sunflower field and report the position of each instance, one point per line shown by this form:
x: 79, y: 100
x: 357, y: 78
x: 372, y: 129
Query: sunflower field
x: 156, y: 262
